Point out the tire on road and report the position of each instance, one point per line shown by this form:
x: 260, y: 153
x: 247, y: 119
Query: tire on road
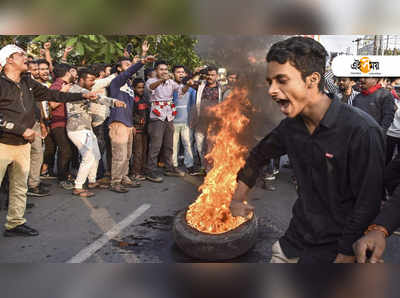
x: 212, y: 247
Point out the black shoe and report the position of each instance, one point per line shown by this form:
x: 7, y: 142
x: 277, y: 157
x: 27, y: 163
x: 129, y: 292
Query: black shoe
x: 44, y: 184
x: 22, y: 230
x: 37, y: 192
x: 47, y: 176
x: 30, y: 205
x: 118, y: 188
x: 175, y: 172
x: 193, y: 171
x: 153, y: 177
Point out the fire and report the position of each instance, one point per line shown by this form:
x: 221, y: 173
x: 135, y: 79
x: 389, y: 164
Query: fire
x: 210, y: 212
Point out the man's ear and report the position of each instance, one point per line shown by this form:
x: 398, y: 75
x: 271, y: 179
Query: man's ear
x: 313, y: 80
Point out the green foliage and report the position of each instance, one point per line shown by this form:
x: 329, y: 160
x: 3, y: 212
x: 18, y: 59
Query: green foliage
x: 89, y: 49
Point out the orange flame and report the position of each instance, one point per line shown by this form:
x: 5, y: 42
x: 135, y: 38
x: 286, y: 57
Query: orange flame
x: 210, y: 212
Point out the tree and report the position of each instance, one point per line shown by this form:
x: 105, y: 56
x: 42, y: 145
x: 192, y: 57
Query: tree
x: 89, y: 49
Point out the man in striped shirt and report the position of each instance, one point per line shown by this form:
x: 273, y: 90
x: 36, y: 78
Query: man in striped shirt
x: 343, y: 90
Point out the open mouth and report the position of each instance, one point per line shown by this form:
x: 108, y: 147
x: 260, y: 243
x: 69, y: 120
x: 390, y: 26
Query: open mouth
x: 284, y: 104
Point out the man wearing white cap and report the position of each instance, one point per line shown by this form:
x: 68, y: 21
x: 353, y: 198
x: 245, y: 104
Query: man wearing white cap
x: 18, y: 93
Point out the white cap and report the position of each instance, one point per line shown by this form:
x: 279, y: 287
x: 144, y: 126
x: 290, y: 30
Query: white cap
x: 7, y: 51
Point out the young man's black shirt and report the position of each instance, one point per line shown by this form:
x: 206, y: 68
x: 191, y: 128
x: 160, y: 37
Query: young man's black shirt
x: 339, y: 169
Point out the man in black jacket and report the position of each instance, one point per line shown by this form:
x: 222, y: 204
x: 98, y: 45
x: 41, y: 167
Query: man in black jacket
x: 337, y: 153
x: 376, y: 101
x: 385, y: 223
x: 18, y: 93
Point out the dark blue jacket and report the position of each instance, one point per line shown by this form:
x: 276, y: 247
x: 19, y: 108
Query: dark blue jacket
x: 124, y: 115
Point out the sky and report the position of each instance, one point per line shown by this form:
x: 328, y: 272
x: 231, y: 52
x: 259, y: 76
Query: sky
x: 339, y: 43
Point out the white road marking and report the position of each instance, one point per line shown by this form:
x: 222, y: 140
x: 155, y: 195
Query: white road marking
x: 88, y: 251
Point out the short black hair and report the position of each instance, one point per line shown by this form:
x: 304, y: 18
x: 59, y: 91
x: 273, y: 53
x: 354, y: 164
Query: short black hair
x: 84, y: 72
x: 161, y: 62
x: 43, y: 61
x: 212, y: 68
x: 98, y: 67
x: 177, y: 67
x: 147, y: 72
x: 137, y: 81
x: 305, y: 54
x: 61, y: 69
x: 232, y: 73
x: 32, y: 62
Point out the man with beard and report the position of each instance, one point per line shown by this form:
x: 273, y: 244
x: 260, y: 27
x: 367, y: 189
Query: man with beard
x: 209, y: 93
x: 347, y: 93
x: 79, y: 129
x: 233, y: 78
x: 376, y: 101
x: 18, y: 93
x: 161, y: 127
x: 337, y: 153
x: 35, y: 187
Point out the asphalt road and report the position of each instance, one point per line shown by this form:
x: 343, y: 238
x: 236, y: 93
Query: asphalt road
x: 138, y: 225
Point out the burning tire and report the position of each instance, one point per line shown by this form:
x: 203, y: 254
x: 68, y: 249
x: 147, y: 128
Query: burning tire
x: 225, y: 246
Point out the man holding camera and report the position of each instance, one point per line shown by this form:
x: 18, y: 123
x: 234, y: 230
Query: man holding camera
x: 18, y: 93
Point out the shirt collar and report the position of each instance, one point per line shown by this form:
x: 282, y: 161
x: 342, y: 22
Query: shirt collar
x: 331, y: 114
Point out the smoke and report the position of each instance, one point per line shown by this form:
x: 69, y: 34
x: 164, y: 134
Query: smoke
x: 245, y: 55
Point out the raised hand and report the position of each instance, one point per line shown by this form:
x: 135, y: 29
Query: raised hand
x: 145, y: 47
x: 47, y: 45
x: 68, y: 49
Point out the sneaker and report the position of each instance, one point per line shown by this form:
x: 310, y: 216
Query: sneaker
x: 275, y: 171
x: 269, y: 177
x: 37, y: 192
x: 175, y: 172
x: 47, y: 176
x: 22, y: 230
x: 67, y: 185
x: 193, y: 171
x: 153, y: 177
x: 119, y: 188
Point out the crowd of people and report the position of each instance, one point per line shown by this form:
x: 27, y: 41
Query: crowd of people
x: 126, y: 121
x: 98, y: 126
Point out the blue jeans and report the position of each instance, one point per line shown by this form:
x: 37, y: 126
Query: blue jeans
x: 182, y: 132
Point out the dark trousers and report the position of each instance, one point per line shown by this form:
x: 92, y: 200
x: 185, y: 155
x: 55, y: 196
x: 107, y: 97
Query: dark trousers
x: 65, y: 152
x: 139, y: 155
x: 161, y: 134
x: 392, y: 175
x: 391, y: 144
x: 50, y: 148
x: 99, y: 132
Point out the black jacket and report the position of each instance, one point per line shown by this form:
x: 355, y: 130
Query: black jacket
x: 380, y: 105
x: 17, y: 106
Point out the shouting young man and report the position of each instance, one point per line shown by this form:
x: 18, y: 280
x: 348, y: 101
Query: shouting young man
x: 337, y: 153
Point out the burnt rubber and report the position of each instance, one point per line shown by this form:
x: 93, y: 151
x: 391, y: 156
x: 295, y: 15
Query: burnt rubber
x: 202, y: 246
